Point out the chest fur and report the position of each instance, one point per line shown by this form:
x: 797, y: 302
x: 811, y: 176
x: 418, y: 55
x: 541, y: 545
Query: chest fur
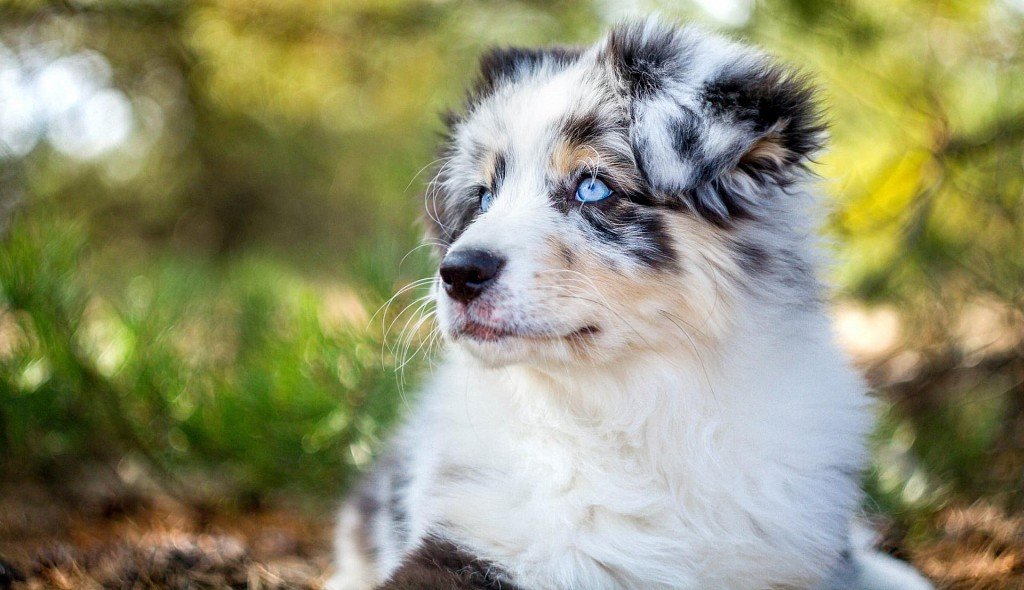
x: 565, y: 510
x: 747, y: 481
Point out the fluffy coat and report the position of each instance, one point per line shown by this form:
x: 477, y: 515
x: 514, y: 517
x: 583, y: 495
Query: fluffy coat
x: 648, y: 395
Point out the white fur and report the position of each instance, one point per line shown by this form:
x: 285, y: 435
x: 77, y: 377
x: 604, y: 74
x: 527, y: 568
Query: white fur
x: 709, y: 435
x: 649, y: 475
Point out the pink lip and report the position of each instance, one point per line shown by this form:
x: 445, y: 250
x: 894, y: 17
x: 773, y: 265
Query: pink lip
x: 485, y: 333
x: 479, y: 331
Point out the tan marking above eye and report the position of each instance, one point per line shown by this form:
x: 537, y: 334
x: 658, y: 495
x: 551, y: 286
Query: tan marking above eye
x: 567, y: 158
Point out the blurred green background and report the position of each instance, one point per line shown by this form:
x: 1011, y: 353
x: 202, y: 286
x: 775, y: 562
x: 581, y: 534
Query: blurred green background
x: 206, y: 206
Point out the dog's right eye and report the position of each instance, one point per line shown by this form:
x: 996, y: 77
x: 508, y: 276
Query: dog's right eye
x: 592, y: 190
x: 486, y: 198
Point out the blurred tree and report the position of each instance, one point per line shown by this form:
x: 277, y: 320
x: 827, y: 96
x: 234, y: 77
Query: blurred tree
x: 266, y: 121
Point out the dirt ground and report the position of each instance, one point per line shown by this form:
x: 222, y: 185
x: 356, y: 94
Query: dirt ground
x: 134, y: 541
x: 128, y: 541
x: 976, y: 548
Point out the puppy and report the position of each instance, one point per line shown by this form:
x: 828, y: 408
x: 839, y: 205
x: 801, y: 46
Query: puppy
x: 641, y: 388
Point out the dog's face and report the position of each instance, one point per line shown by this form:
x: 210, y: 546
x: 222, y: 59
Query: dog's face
x: 601, y: 201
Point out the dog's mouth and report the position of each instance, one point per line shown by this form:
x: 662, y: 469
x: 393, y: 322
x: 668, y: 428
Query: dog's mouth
x: 473, y: 330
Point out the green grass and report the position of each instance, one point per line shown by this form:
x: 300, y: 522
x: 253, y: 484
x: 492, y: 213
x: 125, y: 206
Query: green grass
x: 236, y: 378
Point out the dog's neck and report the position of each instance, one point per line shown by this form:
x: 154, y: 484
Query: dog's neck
x: 774, y: 405
x: 688, y: 380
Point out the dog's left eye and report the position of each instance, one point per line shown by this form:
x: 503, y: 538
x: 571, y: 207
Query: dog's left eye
x: 591, y: 190
x: 486, y: 198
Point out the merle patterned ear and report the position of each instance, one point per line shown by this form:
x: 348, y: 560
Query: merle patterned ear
x: 712, y: 121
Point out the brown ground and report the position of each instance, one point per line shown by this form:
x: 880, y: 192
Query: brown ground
x: 979, y: 548
x: 128, y: 541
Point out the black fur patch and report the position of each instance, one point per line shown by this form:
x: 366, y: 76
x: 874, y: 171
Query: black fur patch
x: 772, y: 106
x: 500, y: 65
x: 700, y: 199
x: 771, y: 112
x: 644, y: 63
x: 685, y: 133
x: 449, y: 216
x: 585, y: 128
x: 633, y: 227
x: 771, y: 96
x: 443, y: 565
x: 500, y: 167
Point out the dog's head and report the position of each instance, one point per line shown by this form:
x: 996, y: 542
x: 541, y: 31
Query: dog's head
x: 593, y: 202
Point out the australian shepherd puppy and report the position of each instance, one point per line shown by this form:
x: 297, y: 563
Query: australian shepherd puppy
x: 641, y: 389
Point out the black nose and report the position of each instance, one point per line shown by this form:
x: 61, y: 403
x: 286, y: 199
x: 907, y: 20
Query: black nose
x: 467, y: 273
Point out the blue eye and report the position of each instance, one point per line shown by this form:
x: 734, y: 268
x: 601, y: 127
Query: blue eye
x: 592, y: 190
x: 486, y: 198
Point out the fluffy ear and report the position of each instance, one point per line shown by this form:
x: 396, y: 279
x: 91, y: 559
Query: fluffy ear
x: 713, y: 122
x: 501, y: 65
